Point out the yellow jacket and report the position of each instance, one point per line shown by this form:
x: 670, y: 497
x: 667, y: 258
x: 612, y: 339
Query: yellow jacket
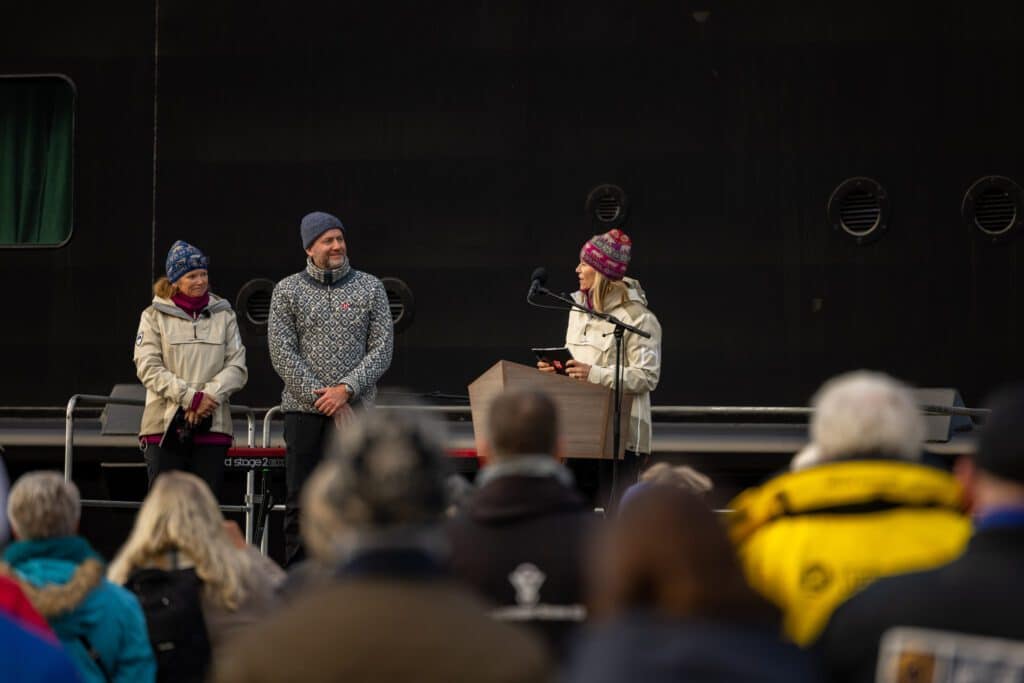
x: 809, y: 539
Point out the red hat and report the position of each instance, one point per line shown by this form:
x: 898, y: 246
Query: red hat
x: 608, y: 254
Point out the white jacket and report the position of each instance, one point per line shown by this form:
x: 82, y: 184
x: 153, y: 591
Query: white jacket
x: 176, y: 356
x: 591, y: 341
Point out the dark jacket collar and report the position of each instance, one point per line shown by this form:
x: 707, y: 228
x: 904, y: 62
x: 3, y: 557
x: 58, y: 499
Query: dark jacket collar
x: 396, y: 563
x: 510, y: 498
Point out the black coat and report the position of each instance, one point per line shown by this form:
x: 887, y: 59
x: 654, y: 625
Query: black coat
x: 515, y: 521
x: 978, y: 593
x: 648, y: 648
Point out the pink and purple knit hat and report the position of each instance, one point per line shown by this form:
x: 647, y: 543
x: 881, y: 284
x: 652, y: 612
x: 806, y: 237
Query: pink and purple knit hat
x: 608, y: 254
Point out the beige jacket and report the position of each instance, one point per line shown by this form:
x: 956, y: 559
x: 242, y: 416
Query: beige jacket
x: 176, y: 356
x: 591, y: 341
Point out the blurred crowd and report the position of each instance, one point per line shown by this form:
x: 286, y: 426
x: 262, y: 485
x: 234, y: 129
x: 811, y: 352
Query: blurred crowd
x: 867, y: 559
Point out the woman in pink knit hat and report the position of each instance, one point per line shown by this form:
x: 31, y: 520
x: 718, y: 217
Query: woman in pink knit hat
x: 604, y: 287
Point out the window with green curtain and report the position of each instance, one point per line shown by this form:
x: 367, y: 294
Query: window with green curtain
x: 36, y: 139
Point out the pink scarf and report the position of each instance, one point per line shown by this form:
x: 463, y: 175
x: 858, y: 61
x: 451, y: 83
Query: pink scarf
x: 193, y: 305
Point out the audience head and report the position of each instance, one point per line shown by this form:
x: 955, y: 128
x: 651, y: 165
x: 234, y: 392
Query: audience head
x: 43, y: 505
x: 388, y: 476
x: 522, y: 423
x: 180, y: 514
x: 994, y: 475
x: 663, y: 474
x: 666, y: 551
x: 864, y: 413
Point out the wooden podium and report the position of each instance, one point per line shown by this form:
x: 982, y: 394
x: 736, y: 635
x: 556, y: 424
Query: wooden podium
x: 585, y: 410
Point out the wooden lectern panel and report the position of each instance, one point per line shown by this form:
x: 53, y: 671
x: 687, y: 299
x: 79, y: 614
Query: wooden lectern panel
x: 585, y: 410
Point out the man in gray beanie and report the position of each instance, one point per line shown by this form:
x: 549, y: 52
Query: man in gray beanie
x: 331, y: 339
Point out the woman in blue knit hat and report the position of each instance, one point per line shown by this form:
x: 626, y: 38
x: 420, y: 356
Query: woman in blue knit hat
x: 190, y: 357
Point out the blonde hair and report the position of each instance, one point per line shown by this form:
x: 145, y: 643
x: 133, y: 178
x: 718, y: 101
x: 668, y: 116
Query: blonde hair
x: 43, y: 505
x: 163, y: 288
x: 682, y: 477
x: 603, y: 289
x: 181, y: 514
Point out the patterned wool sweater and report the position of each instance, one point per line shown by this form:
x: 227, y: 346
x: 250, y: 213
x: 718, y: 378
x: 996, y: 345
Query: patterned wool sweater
x: 327, y: 328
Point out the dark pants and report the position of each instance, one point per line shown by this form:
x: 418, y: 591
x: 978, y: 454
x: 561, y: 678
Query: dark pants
x: 305, y: 437
x: 206, y: 462
x: 594, y: 477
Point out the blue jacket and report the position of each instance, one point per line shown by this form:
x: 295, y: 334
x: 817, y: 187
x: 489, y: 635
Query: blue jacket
x: 28, y: 658
x: 63, y: 578
x: 645, y: 647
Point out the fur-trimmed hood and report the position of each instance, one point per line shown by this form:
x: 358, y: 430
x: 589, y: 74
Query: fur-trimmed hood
x: 55, y: 599
x: 62, y: 577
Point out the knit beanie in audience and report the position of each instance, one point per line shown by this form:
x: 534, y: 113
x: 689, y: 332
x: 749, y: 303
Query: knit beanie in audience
x: 1001, y: 447
x: 390, y: 472
x: 184, y: 258
x: 608, y: 254
x: 315, y: 224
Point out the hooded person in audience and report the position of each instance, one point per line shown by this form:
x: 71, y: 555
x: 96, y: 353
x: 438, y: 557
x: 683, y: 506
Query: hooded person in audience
x: 13, y: 601
x: 861, y: 506
x: 390, y: 612
x: 979, y: 592
x: 520, y: 538
x: 99, y: 623
x: 669, y: 603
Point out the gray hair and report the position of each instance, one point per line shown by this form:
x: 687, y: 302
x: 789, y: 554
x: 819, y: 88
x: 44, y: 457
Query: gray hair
x: 681, y: 476
x: 43, y: 505
x: 391, y: 470
x: 864, y: 413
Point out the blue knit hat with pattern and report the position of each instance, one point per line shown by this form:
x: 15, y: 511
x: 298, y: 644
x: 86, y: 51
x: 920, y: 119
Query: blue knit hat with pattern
x: 184, y: 258
x: 315, y: 224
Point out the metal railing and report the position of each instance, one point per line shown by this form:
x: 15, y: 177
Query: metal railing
x: 682, y: 411
x: 248, y: 508
x: 253, y: 500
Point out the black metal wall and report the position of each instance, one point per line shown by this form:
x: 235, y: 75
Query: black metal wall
x: 458, y: 141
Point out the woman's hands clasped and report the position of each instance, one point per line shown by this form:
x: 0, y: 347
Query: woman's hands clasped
x: 205, y: 408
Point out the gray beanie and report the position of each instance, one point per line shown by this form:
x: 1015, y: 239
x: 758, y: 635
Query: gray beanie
x: 315, y: 224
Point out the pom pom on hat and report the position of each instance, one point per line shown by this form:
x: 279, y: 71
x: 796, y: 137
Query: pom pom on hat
x: 608, y: 254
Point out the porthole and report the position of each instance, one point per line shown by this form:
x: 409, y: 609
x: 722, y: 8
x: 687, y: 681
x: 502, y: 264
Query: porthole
x: 607, y: 206
x: 253, y: 301
x: 993, y: 207
x: 859, y: 208
x: 401, y: 303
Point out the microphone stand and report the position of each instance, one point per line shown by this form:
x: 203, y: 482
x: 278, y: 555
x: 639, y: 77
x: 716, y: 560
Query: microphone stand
x: 620, y: 330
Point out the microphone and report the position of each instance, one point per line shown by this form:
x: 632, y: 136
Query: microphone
x: 537, y: 280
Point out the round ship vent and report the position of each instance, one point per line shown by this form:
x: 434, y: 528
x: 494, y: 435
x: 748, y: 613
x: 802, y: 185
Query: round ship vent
x: 253, y: 301
x: 859, y: 207
x: 401, y: 303
x: 607, y: 206
x: 994, y: 207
